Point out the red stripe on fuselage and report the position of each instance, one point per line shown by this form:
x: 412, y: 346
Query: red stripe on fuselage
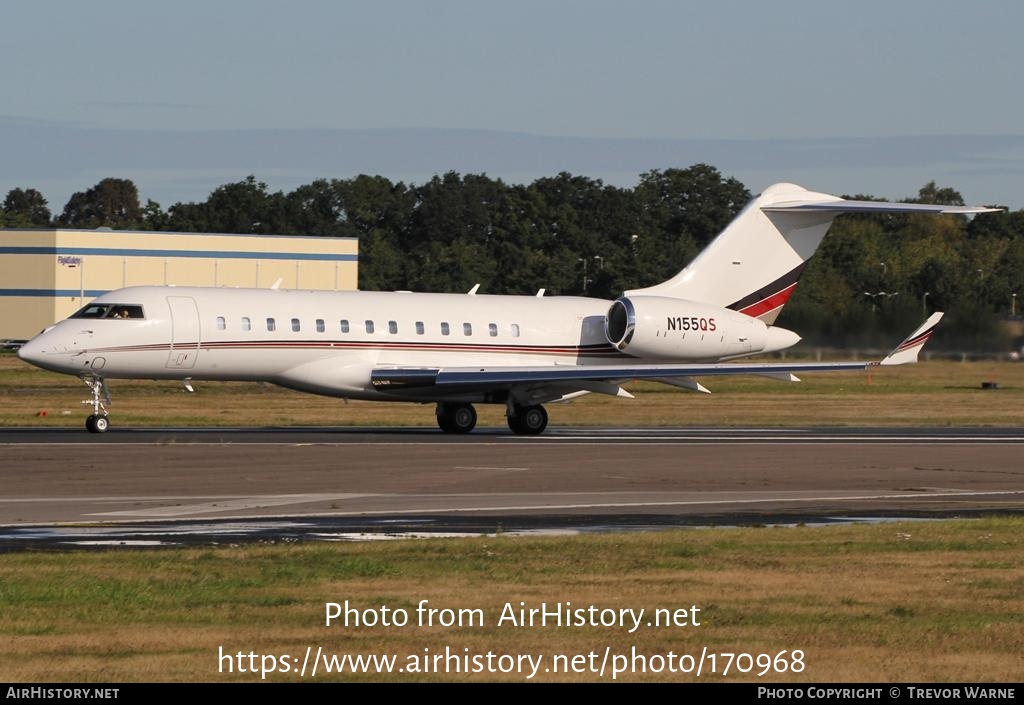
x: 565, y: 350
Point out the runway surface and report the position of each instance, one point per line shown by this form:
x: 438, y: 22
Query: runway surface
x: 65, y: 487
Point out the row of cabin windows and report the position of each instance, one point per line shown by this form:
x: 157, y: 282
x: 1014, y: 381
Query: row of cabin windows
x: 343, y: 324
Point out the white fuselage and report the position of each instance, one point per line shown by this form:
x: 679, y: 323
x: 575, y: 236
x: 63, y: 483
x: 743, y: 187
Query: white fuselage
x: 319, y: 341
x: 329, y: 342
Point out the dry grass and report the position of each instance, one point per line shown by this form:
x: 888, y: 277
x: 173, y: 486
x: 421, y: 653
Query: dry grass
x: 914, y: 602
x: 928, y: 394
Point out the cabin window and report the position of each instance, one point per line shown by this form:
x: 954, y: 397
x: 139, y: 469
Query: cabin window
x: 295, y: 325
x: 392, y: 327
x: 515, y: 330
x: 445, y: 330
x: 246, y: 323
x: 369, y: 326
x: 467, y: 329
x: 221, y: 323
x: 419, y: 327
x: 344, y: 326
x: 271, y: 324
x: 492, y: 329
x: 320, y: 327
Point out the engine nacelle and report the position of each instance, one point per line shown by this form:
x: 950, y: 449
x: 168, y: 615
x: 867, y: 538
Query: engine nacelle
x: 677, y: 329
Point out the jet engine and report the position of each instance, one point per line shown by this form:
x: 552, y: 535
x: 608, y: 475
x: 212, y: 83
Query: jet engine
x: 676, y: 329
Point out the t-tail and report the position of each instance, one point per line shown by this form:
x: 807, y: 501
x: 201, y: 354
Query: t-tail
x: 754, y: 265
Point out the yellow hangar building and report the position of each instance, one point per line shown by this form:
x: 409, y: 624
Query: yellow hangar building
x: 46, y: 274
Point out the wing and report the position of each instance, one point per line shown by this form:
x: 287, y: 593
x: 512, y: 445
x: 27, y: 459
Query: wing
x: 553, y: 382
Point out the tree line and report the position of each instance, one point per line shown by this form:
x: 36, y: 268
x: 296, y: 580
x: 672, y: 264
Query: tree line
x: 874, y: 277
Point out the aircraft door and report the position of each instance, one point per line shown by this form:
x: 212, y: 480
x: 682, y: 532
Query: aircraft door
x: 184, y: 332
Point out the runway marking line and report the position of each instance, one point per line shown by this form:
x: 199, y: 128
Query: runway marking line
x: 175, y: 513
x: 572, y: 441
x: 487, y: 467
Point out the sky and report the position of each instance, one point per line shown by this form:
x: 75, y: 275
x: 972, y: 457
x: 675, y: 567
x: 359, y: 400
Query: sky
x: 866, y: 98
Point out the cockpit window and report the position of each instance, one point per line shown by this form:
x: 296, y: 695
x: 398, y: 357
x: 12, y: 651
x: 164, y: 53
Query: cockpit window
x: 110, y: 311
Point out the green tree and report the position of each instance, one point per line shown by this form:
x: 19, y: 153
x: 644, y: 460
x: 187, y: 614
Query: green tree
x: 154, y: 217
x: 930, y: 193
x: 681, y: 211
x: 112, y: 203
x: 583, y: 230
x: 317, y: 209
x: 24, y: 208
x: 244, y: 207
x: 378, y: 212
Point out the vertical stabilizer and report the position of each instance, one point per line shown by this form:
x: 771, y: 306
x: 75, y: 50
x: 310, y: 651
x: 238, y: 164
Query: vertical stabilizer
x: 754, y: 264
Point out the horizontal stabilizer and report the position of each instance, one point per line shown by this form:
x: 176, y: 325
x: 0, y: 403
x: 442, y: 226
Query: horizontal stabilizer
x: 843, y: 206
x: 908, y: 350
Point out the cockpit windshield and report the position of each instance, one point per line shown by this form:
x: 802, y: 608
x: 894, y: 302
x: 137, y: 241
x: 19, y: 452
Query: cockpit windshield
x: 95, y: 310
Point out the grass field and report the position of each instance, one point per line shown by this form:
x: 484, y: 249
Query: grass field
x: 939, y: 393
x: 909, y: 602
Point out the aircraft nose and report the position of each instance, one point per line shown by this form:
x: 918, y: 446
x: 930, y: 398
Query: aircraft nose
x: 32, y: 351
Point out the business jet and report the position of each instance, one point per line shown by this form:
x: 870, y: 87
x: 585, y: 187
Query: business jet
x: 459, y: 349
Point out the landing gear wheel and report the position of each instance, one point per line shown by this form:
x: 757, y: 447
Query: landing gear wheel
x: 97, y: 423
x: 528, y: 420
x: 456, y: 418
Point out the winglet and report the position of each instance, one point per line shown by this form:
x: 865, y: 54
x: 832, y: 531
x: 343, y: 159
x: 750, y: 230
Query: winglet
x: 908, y: 350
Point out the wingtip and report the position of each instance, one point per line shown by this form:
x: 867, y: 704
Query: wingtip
x: 908, y: 350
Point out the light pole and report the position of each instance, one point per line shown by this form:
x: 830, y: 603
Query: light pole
x: 584, y: 261
x: 874, y: 297
x: 1013, y: 305
x: 924, y: 303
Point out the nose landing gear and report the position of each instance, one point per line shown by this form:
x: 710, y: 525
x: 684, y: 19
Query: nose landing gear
x: 98, y: 421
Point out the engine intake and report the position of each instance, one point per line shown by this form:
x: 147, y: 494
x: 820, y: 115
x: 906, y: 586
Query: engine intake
x: 620, y: 323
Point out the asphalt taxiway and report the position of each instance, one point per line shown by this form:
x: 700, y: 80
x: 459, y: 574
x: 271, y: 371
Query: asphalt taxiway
x: 170, y: 486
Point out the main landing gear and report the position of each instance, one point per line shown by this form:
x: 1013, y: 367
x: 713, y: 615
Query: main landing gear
x: 527, y: 420
x: 456, y: 418
x: 98, y: 421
